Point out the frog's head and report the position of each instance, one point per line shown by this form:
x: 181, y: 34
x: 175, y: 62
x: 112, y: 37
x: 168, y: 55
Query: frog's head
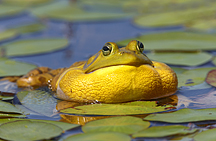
x: 111, y: 55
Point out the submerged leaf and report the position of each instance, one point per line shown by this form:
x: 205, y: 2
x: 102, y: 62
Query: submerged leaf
x: 10, y: 67
x: 65, y: 126
x: 186, y: 59
x: 193, y: 77
x: 34, y: 46
x: 29, y: 130
x: 123, y: 124
x: 211, y: 78
x: 101, y: 136
x: 184, y: 115
x: 175, y: 41
x: 8, y: 108
x: 208, y: 135
x: 163, y: 131
x: 131, y: 108
x: 39, y: 101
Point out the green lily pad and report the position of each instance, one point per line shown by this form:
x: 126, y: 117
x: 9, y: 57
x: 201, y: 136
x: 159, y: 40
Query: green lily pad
x: 131, y: 108
x: 64, y: 10
x: 29, y: 130
x: 123, y: 124
x: 208, y: 135
x: 7, y: 35
x: 24, y: 2
x: 3, y: 115
x: 163, y: 131
x: 10, y: 67
x: 175, y: 41
x: 8, y: 10
x: 6, y: 97
x: 211, y: 78
x: 101, y: 136
x: 173, y: 17
x: 184, y: 115
x: 203, y: 24
x: 8, y: 108
x: 193, y: 77
x: 65, y: 126
x: 214, y: 61
x: 39, y: 101
x: 178, y: 70
x: 186, y: 59
x: 28, y: 28
x: 34, y: 46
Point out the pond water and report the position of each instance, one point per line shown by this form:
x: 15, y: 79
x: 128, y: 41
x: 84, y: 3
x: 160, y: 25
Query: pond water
x: 86, y: 39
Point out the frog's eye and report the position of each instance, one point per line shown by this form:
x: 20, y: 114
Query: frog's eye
x: 107, y: 49
x: 140, y: 46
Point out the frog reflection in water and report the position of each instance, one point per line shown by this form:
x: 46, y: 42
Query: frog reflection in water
x: 112, y: 75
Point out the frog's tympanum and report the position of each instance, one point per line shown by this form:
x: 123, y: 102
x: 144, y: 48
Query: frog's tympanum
x: 110, y: 76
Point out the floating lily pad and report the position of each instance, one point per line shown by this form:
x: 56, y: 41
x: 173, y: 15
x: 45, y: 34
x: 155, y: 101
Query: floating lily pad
x: 35, y: 46
x: 6, y: 97
x: 6, y: 107
x: 186, y: 59
x: 208, y: 135
x: 178, y: 70
x: 65, y: 126
x: 102, y: 136
x: 7, y: 35
x: 28, y: 28
x: 64, y: 10
x: 184, y: 115
x: 7, y: 10
x: 3, y: 115
x: 211, y: 78
x: 10, y: 67
x: 175, y: 41
x: 203, y: 24
x: 214, y: 61
x: 131, y: 108
x: 163, y: 131
x: 123, y: 124
x: 193, y: 77
x: 29, y: 130
x: 24, y: 2
x: 39, y: 101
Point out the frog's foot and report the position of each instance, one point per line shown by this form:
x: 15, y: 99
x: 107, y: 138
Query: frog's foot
x: 38, y: 77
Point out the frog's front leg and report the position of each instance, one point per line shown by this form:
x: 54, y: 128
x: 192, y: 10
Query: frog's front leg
x: 38, y: 77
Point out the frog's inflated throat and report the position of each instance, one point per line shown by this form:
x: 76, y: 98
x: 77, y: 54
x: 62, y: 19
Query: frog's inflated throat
x: 116, y: 75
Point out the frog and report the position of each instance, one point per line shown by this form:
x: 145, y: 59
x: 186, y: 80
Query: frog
x: 113, y: 75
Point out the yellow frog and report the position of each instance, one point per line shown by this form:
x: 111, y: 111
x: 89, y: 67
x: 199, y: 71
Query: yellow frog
x: 112, y: 75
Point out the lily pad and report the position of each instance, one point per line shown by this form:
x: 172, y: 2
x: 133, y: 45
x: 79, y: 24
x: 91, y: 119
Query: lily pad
x: 8, y: 108
x: 186, y: 59
x: 24, y: 2
x: 131, y: 108
x: 175, y: 41
x: 208, y: 135
x: 6, y: 97
x: 184, y: 115
x: 64, y: 10
x: 3, y: 115
x: 163, y: 131
x: 193, y: 77
x: 28, y: 28
x: 178, y: 70
x: 123, y: 124
x: 10, y: 67
x: 7, y: 35
x: 211, y: 78
x: 34, y: 46
x: 39, y: 101
x: 65, y: 126
x: 8, y: 10
x: 29, y: 130
x: 102, y: 136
